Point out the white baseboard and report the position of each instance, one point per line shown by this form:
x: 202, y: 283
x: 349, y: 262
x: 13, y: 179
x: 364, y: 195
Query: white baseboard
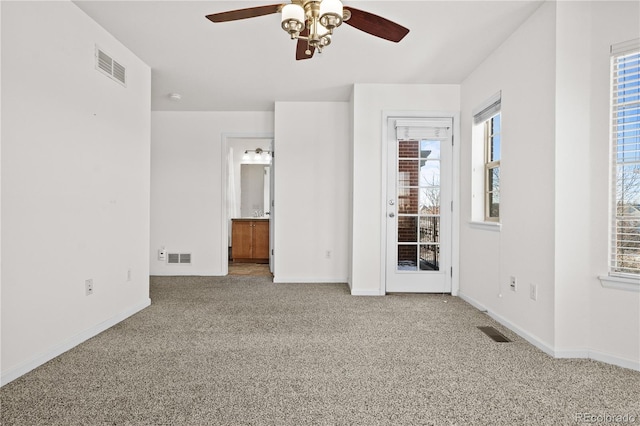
x: 358, y: 292
x: 354, y: 292
x: 307, y: 280
x: 598, y: 356
x: 534, y: 340
x: 472, y: 302
x: 615, y: 360
x: 30, y: 364
x: 571, y: 353
x: 550, y: 350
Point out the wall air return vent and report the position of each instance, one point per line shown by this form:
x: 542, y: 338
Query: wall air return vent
x: 179, y: 258
x: 108, y: 66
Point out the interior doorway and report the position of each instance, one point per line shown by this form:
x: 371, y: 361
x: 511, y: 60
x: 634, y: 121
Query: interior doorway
x: 246, y: 196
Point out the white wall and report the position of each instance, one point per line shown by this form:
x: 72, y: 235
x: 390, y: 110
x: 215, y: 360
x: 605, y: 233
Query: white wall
x: 1, y: 381
x: 572, y: 177
x: 311, y: 188
x: 523, y: 68
x: 187, y: 177
x: 75, y: 183
x: 554, y: 189
x: 614, y: 315
x: 312, y: 184
x: 369, y: 103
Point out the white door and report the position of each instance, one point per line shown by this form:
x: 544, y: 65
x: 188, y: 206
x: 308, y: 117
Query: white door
x: 418, y: 205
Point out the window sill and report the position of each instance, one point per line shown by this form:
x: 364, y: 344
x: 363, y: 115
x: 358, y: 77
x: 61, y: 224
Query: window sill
x: 620, y: 283
x: 486, y: 226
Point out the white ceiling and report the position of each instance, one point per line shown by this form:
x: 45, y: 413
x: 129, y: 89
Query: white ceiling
x: 247, y: 65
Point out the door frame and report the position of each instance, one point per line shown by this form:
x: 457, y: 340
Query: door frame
x: 272, y: 222
x: 226, y: 143
x: 455, y: 189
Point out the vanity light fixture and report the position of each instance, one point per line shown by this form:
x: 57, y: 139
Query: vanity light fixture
x: 260, y: 156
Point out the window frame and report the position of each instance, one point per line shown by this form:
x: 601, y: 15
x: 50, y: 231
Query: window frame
x: 481, y: 114
x: 489, y: 166
x: 624, y: 274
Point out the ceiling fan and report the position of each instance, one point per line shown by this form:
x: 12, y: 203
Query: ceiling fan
x: 312, y: 22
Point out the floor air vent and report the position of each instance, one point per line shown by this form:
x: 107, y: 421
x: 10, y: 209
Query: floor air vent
x: 110, y: 67
x: 176, y: 258
x: 494, y: 334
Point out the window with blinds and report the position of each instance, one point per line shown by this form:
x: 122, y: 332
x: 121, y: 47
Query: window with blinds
x: 488, y: 116
x: 625, y: 139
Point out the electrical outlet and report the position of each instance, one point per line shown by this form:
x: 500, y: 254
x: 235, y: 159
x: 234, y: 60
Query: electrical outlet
x: 512, y: 283
x: 88, y: 287
x: 533, y: 291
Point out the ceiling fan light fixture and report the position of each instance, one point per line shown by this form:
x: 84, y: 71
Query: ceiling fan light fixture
x: 293, y: 17
x: 319, y: 36
x: 323, y: 37
x: 312, y: 22
x: 325, y: 40
x: 331, y: 13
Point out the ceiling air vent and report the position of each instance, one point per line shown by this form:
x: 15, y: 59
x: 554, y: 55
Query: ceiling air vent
x: 177, y: 258
x: 107, y: 65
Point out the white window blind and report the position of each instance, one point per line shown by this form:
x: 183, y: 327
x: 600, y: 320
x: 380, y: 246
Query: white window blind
x: 423, y: 128
x: 625, y: 138
x: 488, y: 109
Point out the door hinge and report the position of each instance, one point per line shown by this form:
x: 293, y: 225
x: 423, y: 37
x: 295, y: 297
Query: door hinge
x: 271, y: 252
x: 451, y: 271
x: 451, y: 140
x: 452, y: 206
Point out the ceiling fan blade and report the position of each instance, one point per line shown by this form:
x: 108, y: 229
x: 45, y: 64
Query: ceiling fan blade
x: 376, y: 25
x: 251, y: 12
x: 303, y: 46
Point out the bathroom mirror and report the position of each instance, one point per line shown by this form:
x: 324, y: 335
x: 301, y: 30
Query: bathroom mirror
x: 254, y: 189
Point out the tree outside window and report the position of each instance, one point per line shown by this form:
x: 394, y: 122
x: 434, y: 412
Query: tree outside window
x: 492, y: 129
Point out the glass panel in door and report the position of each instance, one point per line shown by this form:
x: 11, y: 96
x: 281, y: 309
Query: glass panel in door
x: 418, y: 205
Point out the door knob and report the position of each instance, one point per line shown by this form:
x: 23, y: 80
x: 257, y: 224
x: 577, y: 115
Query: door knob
x: 392, y: 214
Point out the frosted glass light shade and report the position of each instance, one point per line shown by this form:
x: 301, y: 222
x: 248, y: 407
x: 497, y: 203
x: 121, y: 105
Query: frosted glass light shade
x: 331, y: 13
x: 321, y: 29
x: 331, y: 6
x: 293, y: 12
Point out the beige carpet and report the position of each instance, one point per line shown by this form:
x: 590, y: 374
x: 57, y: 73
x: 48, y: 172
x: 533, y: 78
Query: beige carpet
x: 245, y: 351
